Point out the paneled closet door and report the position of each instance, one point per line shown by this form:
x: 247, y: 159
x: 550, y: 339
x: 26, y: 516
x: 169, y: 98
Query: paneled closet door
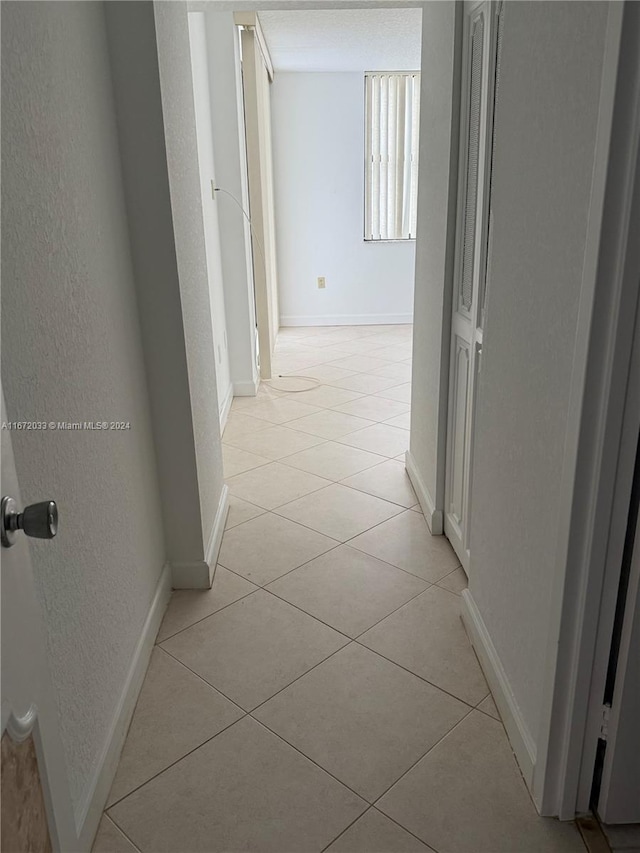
x: 476, y: 128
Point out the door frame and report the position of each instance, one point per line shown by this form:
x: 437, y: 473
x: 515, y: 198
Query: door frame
x: 458, y: 537
x: 589, y: 531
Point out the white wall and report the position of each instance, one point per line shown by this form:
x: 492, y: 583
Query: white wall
x: 225, y: 86
x: 176, y: 85
x: 72, y: 352
x: 318, y: 141
x: 545, y: 139
x: 162, y: 185
x: 437, y: 185
x: 200, y: 71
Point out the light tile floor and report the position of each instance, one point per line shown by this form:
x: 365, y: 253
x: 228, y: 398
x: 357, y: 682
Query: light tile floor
x: 323, y: 694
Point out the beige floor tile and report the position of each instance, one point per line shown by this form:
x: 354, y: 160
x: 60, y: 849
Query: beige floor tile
x: 396, y: 370
x: 366, y: 383
x: 402, y: 421
x: 240, y: 511
x: 360, y: 346
x: 406, y: 542
x: 360, y: 363
x: 379, y: 438
x: 362, y: 718
x: 389, y: 481
x: 241, y: 424
x: 275, y: 442
x: 326, y: 396
x: 401, y: 393
x: 188, y: 606
x: 175, y: 713
x: 329, y: 424
x: 427, y: 637
x: 339, y: 512
x: 275, y: 484
x: 394, y: 352
x: 375, y: 833
x: 326, y: 372
x: 347, y: 589
x: 110, y: 839
x: 489, y: 707
x: 244, y: 790
x: 477, y: 799
x: 254, y: 648
x: 282, y: 410
x: 333, y: 460
x: 267, y: 547
x: 236, y: 461
x: 455, y: 582
x: 374, y: 408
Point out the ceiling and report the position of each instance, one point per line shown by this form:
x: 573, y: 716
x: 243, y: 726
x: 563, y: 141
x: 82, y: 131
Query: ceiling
x: 344, y: 39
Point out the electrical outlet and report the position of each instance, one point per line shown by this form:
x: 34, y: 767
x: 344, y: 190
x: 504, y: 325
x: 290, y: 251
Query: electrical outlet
x: 321, y: 282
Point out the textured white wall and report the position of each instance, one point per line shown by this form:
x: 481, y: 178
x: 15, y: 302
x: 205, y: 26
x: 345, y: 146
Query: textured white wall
x: 71, y: 351
x: 318, y: 140
x: 225, y: 86
x: 434, y: 246
x: 134, y: 67
x: 546, y: 124
x: 202, y: 103
x: 176, y: 83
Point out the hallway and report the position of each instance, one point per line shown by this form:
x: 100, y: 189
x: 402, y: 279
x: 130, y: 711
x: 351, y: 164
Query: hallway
x: 323, y: 694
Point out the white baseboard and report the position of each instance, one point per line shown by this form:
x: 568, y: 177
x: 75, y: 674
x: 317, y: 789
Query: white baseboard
x: 199, y: 573
x: 246, y: 389
x: 89, y: 809
x: 215, y: 538
x: 434, y: 517
x: 522, y: 742
x: 348, y: 320
x: 226, y: 408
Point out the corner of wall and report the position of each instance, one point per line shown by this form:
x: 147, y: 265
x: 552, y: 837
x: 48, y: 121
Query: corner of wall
x: 522, y: 742
x: 434, y: 517
x: 89, y: 810
x: 198, y: 574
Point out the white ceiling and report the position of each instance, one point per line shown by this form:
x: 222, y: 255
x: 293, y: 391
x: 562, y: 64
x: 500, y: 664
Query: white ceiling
x: 343, y: 39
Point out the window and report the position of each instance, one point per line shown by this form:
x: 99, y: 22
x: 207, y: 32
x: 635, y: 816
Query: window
x: 391, y: 180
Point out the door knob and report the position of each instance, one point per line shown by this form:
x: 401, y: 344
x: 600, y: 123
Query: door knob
x: 38, y: 520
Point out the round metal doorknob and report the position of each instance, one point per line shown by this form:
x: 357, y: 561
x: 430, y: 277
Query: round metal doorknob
x: 38, y: 520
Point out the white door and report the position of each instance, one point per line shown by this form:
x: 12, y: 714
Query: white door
x: 29, y: 714
x: 619, y: 797
x: 476, y: 123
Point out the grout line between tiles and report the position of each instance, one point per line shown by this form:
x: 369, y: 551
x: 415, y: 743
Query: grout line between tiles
x: 120, y: 829
x: 424, y: 755
x: 317, y: 618
x: 319, y: 766
x: 220, y: 609
x: 173, y: 763
x: 421, y: 677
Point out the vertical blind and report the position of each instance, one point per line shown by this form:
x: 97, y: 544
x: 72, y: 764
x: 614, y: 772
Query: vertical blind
x: 391, y: 181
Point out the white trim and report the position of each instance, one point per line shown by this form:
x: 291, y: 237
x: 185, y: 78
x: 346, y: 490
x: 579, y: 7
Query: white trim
x: 602, y: 354
x: 226, y: 407
x: 246, y: 389
x: 348, y: 320
x: 518, y: 732
x: 89, y: 810
x: 250, y: 20
x: 433, y: 516
x: 19, y: 728
x: 198, y: 574
x: 215, y: 537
